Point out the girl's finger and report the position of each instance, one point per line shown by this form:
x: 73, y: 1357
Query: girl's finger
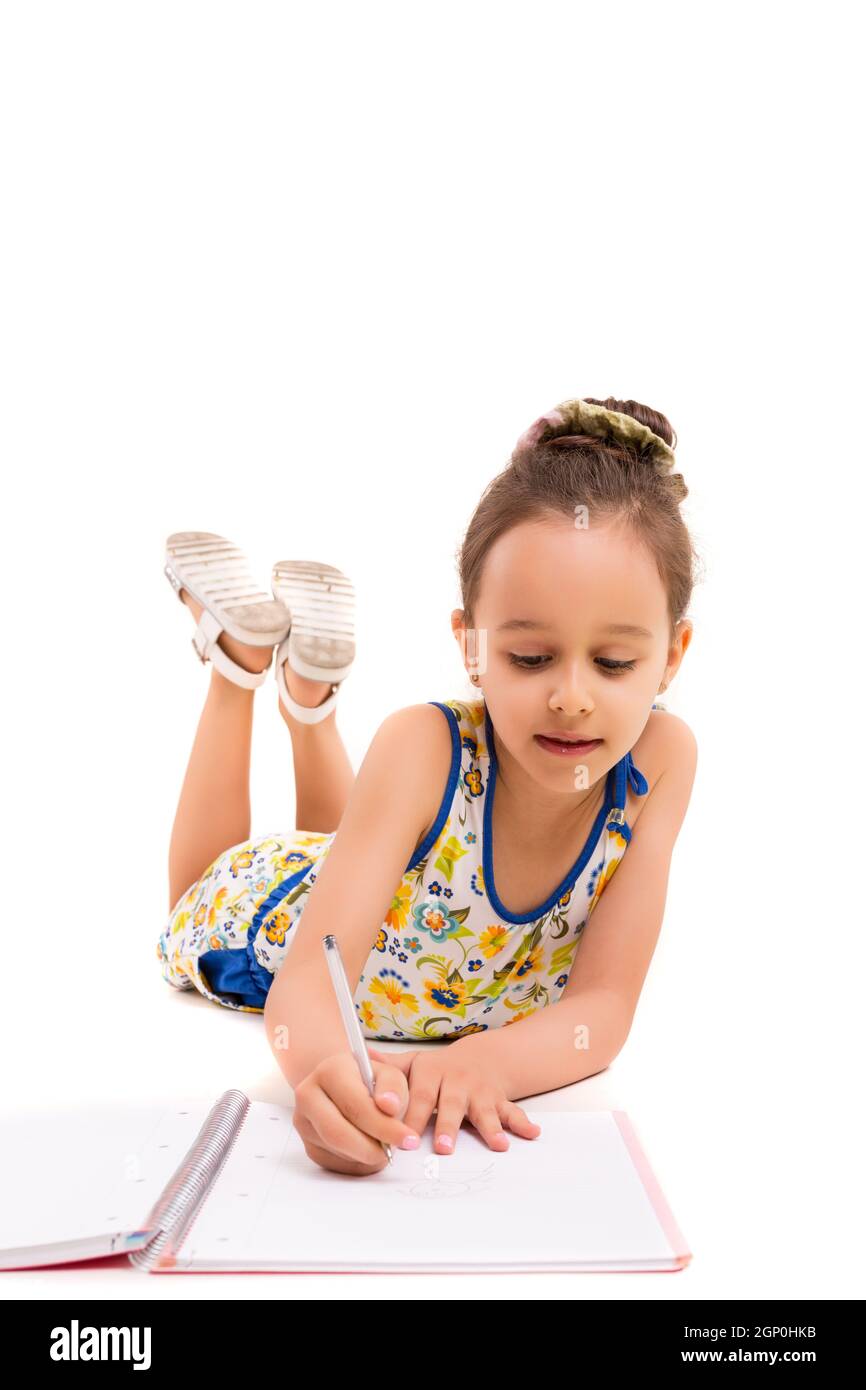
x: 518, y: 1121
x: 453, y: 1099
x: 423, y: 1097
x: 334, y: 1131
x: 403, y: 1060
x: 421, y: 1106
x: 485, y: 1117
x: 326, y: 1159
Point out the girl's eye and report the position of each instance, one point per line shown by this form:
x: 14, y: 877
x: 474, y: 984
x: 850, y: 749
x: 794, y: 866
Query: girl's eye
x: 529, y: 663
x: 615, y: 666
x: 532, y: 663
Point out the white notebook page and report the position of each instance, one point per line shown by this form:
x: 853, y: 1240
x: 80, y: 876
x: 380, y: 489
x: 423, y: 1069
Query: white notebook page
x: 72, y: 1175
x: 569, y: 1197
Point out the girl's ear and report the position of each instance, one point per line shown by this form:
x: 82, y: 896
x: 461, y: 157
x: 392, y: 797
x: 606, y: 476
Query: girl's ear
x: 459, y: 631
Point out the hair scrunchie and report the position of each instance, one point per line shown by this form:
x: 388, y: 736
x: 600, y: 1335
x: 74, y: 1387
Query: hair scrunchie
x: 580, y: 417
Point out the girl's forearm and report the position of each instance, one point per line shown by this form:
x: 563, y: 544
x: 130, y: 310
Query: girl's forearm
x: 556, y: 1046
x: 303, y: 1020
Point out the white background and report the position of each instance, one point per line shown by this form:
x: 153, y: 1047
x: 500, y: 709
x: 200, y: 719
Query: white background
x: 301, y: 275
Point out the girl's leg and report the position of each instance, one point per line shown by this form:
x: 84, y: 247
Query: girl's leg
x: 213, y: 812
x: 323, y: 773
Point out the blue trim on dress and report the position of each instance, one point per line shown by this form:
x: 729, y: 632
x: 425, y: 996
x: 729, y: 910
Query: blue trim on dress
x: 259, y: 973
x: 576, y: 868
x: 445, y: 804
x: 235, y: 973
x: 227, y: 972
x: 625, y: 770
x: 613, y: 808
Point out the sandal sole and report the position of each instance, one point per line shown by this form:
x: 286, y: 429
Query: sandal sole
x: 216, y: 573
x: 321, y: 600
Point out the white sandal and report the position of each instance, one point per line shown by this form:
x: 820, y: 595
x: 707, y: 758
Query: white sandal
x: 321, y: 642
x: 216, y: 574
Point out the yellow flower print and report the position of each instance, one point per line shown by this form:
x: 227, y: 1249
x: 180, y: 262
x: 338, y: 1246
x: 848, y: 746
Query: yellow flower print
x: 381, y: 939
x: 450, y: 852
x: 389, y: 983
x: 473, y: 782
x: 465, y: 1030
x: 314, y: 838
x: 441, y: 995
x: 264, y: 846
x: 180, y: 922
x: 398, y: 912
x: 240, y: 861
x: 215, y: 906
x: 467, y: 711
x: 275, y: 931
x: 294, y: 861
x: 603, y: 880
x: 526, y: 1013
x: 203, y: 911
x: 492, y: 940
x: 185, y: 966
x: 368, y: 1017
x: 528, y: 962
x: 615, y: 821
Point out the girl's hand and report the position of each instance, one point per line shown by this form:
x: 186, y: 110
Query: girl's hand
x: 340, y: 1123
x: 446, y: 1080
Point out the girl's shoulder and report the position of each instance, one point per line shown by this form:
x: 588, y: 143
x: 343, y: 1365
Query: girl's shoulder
x: 431, y: 736
x: 671, y: 727
x: 666, y: 742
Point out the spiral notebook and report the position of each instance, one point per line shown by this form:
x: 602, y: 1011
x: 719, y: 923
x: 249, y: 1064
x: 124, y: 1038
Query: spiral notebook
x: 187, y: 1188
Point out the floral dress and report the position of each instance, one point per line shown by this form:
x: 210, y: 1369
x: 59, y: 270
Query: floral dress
x: 449, y: 958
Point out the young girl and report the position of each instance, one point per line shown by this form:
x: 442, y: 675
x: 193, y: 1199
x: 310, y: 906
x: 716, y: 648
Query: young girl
x: 477, y: 843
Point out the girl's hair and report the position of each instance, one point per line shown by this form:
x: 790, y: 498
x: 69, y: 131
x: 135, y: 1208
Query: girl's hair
x: 615, y: 481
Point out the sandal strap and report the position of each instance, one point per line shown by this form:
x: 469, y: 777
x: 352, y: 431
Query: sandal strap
x: 207, y: 648
x: 304, y: 713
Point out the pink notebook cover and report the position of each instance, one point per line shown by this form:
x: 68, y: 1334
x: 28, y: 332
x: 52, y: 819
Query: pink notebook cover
x: 653, y: 1190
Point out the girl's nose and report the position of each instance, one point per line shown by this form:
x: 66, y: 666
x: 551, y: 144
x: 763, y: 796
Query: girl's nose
x: 571, y: 696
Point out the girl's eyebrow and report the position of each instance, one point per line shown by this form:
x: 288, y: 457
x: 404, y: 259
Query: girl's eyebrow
x: 624, y: 629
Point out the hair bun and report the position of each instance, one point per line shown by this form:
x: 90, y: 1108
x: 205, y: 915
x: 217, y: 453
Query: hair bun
x: 583, y: 417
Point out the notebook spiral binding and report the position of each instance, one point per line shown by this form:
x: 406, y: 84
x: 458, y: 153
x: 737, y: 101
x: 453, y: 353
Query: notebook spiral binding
x: 178, y: 1204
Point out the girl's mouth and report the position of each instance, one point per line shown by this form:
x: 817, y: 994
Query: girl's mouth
x: 563, y: 749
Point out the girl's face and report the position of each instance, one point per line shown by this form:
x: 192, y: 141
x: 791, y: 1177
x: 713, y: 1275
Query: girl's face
x: 545, y: 653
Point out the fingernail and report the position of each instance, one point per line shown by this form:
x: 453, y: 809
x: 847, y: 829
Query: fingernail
x: 500, y: 1135
x: 445, y: 1141
x: 389, y: 1095
x: 410, y: 1142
